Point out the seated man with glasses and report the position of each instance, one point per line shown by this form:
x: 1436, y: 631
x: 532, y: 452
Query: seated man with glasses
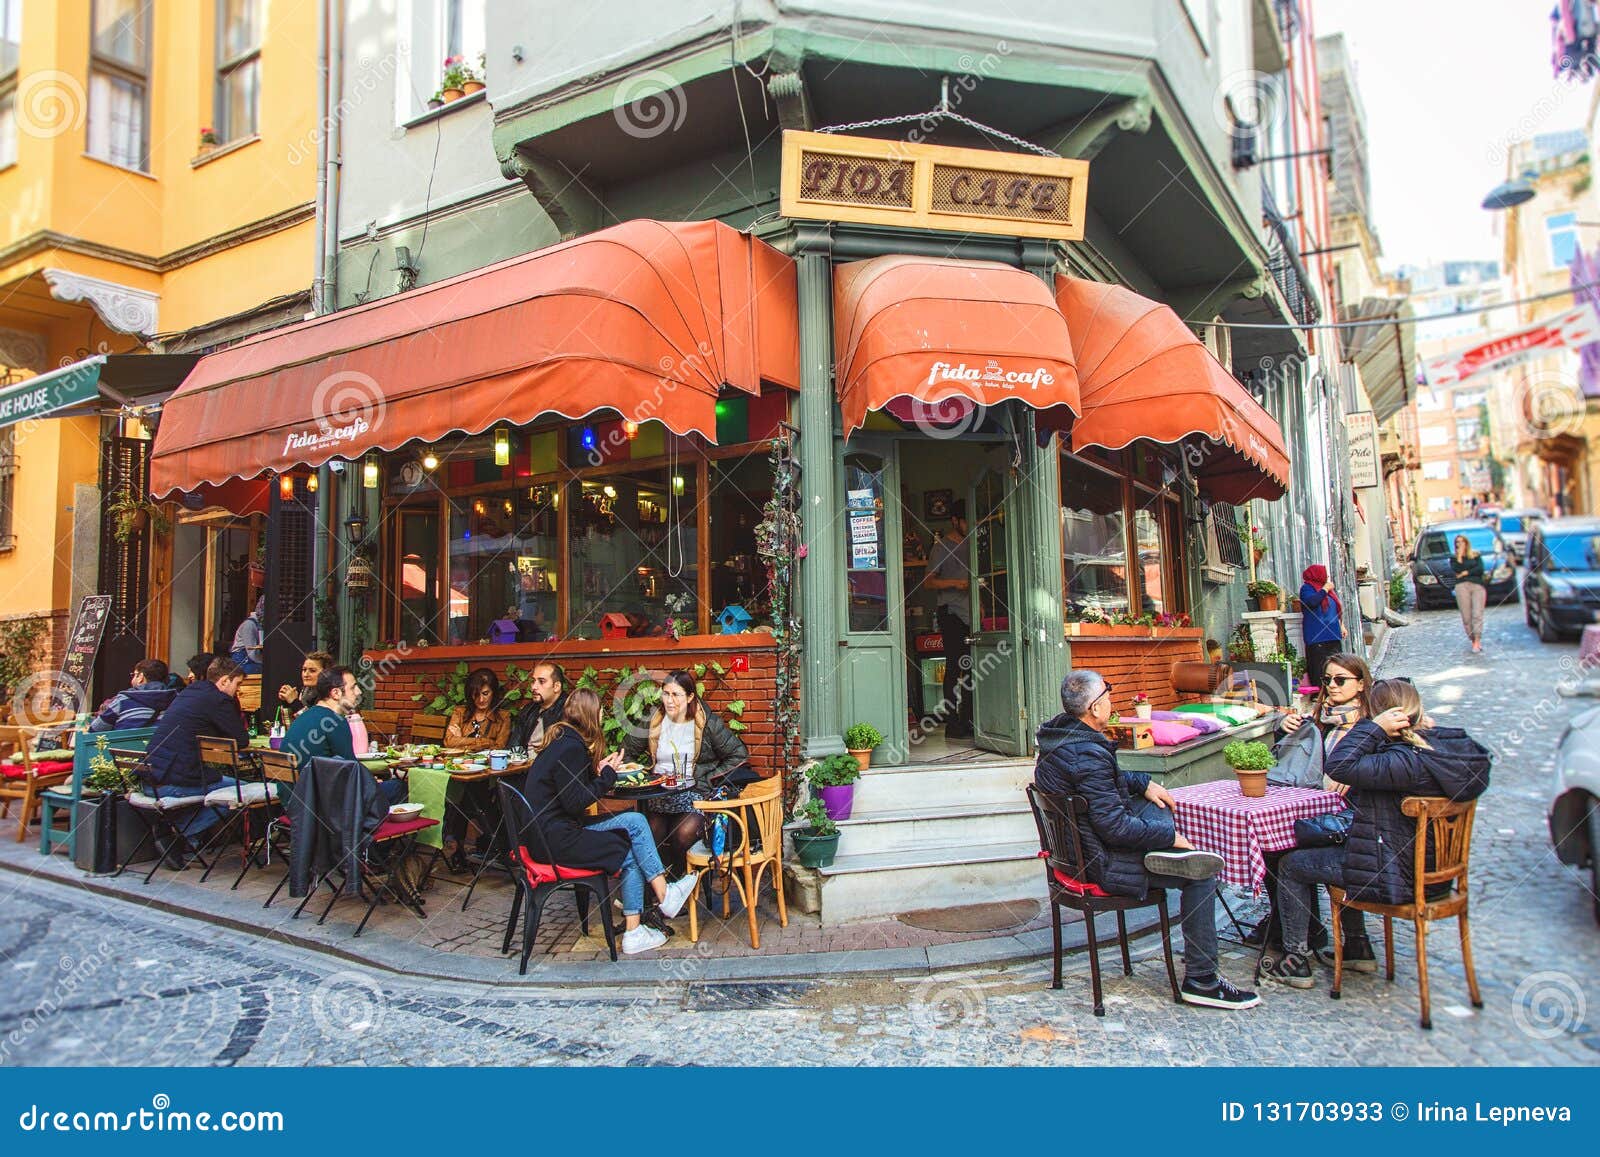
x: 1130, y: 839
x: 147, y: 696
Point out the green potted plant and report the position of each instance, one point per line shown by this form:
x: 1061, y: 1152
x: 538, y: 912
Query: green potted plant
x: 130, y: 515
x: 859, y: 740
x: 833, y: 779
x: 208, y: 140
x: 1250, y: 760
x: 452, y: 85
x: 1265, y: 592
x: 817, y: 842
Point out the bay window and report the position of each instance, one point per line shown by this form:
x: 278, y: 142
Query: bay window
x: 1120, y: 538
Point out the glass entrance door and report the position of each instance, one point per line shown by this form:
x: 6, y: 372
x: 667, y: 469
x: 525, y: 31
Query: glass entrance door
x: 998, y: 712
x: 872, y: 657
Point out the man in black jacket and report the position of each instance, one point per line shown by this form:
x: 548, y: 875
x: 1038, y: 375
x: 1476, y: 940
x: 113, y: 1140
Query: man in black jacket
x: 208, y: 707
x: 1130, y: 840
x: 548, y: 686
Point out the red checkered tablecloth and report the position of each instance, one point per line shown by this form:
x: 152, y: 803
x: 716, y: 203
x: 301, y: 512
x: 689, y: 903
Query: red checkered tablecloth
x: 1219, y: 818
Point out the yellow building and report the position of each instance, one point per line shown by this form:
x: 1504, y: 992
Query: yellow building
x: 158, y: 181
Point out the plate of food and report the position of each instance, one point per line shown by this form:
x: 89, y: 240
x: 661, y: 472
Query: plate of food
x: 464, y: 766
x: 638, y: 779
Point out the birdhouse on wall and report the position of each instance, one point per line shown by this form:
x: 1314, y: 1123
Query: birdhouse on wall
x: 734, y: 620
x: 615, y: 625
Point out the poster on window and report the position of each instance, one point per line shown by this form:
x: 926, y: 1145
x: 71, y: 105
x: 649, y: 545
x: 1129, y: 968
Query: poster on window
x: 864, y: 528
x: 864, y: 556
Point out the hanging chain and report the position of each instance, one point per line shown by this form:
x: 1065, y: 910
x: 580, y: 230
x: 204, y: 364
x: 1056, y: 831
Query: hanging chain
x: 940, y: 112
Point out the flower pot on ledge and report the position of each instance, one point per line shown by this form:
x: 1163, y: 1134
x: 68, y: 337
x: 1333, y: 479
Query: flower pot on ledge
x: 1268, y: 602
x: 451, y: 94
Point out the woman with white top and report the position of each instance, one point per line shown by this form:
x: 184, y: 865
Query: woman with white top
x: 684, y: 737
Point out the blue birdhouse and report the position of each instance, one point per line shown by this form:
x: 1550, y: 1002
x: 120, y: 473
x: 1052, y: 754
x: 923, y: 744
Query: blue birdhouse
x: 734, y: 619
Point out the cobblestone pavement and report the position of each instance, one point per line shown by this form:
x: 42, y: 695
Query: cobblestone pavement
x: 86, y: 979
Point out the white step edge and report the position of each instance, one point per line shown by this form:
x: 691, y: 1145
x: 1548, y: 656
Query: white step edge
x: 931, y: 857
x: 974, y: 810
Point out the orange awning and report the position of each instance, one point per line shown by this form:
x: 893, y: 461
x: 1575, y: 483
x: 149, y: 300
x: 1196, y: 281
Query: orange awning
x: 649, y: 318
x: 931, y: 328
x: 1145, y: 375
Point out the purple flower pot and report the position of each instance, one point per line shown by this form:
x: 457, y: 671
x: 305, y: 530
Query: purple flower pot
x: 837, y: 801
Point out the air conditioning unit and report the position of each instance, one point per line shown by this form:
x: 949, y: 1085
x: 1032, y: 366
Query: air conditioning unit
x: 1219, y: 340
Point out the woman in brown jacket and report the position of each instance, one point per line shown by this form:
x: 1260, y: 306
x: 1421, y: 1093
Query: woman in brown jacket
x: 480, y: 723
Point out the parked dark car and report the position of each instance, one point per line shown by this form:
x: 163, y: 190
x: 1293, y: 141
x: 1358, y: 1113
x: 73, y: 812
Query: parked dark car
x: 1432, y: 572
x: 1515, y: 526
x: 1561, y: 592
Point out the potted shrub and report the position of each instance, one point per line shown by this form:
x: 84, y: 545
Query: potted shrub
x: 130, y: 515
x: 208, y: 140
x: 1141, y: 705
x: 859, y: 741
x: 474, y: 77
x: 436, y: 100
x: 1250, y: 762
x: 452, y: 85
x: 1265, y: 592
x: 817, y: 842
x: 833, y: 778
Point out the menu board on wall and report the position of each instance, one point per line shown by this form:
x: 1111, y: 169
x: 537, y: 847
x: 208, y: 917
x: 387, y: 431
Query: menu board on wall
x: 87, y: 628
x: 1362, y: 428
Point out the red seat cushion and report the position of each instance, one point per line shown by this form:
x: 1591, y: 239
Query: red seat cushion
x: 1077, y: 887
x: 546, y: 873
x: 40, y: 767
x: 9, y: 770
x: 394, y: 829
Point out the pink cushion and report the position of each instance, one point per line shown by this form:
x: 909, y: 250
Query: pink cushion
x: 1201, y: 723
x: 1168, y: 733
x: 394, y: 829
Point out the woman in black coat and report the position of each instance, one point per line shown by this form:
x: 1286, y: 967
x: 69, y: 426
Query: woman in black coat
x: 1395, y: 754
x: 570, y: 774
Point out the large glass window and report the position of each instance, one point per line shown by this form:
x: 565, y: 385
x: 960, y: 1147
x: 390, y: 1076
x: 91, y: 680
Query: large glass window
x: 441, y: 30
x: 504, y: 563
x: 1155, y: 534
x: 866, y: 555
x: 1094, y: 541
x: 119, y: 80
x: 634, y: 552
x: 739, y: 490
x: 10, y: 54
x: 238, y: 68
x: 417, y: 580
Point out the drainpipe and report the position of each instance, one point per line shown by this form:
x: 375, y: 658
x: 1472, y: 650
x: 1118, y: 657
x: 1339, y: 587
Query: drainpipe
x: 320, y: 200
x: 333, y: 133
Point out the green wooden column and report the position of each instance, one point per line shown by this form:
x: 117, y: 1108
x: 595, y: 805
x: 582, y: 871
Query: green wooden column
x: 1045, y: 656
x: 818, y: 572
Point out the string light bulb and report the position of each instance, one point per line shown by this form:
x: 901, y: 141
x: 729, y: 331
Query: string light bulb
x: 430, y: 461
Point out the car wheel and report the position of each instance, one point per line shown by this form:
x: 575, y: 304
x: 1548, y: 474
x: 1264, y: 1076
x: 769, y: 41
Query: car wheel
x: 1594, y: 857
x: 1527, y: 612
x: 1547, y: 630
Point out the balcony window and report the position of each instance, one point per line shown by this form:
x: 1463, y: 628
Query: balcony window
x: 1562, y: 231
x: 440, y: 29
x: 119, y: 83
x: 238, y: 95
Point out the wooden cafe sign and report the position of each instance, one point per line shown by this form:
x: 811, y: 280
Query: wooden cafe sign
x: 877, y: 182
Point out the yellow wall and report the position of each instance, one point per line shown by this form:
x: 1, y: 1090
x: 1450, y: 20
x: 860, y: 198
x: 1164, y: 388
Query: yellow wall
x: 151, y: 217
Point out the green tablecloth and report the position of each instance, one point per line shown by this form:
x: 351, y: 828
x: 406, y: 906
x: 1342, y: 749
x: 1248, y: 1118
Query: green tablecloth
x: 431, y: 788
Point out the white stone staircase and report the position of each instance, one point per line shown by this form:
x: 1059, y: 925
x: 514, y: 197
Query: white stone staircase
x: 934, y: 836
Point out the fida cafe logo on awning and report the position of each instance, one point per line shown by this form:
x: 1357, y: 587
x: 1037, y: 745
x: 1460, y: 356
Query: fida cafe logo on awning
x: 991, y: 374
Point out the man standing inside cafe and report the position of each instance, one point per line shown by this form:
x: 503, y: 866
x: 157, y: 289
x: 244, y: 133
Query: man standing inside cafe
x: 548, y: 687
x: 950, y: 575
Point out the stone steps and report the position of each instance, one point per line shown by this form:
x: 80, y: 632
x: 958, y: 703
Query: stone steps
x: 873, y: 885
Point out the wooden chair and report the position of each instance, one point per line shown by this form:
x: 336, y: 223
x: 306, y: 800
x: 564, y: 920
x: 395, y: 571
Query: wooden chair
x: 429, y: 728
x: 26, y: 779
x: 1067, y: 879
x: 1446, y: 827
x: 382, y: 726
x: 250, y: 694
x: 279, y: 772
x: 761, y: 806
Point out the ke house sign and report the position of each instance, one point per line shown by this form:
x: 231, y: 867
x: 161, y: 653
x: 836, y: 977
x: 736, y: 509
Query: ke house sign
x: 872, y: 182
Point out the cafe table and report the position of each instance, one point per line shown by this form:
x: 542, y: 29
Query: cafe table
x: 1218, y: 817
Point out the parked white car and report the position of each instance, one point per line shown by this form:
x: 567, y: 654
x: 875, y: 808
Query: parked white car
x: 1575, y: 807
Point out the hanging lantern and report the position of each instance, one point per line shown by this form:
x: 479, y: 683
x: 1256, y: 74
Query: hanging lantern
x: 369, y: 472
x: 311, y: 483
x: 430, y: 461
x: 502, y: 446
x: 357, y: 575
x: 286, y: 487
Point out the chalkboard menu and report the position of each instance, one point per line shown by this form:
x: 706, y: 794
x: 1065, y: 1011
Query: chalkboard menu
x: 87, y: 628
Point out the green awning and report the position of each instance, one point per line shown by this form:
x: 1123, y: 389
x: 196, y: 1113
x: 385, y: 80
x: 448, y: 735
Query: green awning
x: 82, y: 387
x: 46, y: 394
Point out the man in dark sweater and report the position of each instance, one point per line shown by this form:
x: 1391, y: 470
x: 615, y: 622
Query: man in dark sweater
x: 548, y: 686
x: 1130, y: 839
x: 208, y: 707
x: 322, y: 729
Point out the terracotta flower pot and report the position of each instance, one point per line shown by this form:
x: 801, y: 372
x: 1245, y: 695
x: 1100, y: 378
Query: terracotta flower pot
x: 472, y: 86
x: 450, y: 94
x: 1252, y: 784
x: 1268, y: 602
x: 863, y: 757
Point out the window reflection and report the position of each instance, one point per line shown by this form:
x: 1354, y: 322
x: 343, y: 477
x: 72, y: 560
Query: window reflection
x: 1094, y: 541
x: 634, y: 553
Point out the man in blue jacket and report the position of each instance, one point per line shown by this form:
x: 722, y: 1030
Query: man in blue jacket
x: 147, y: 696
x: 207, y: 707
x: 1130, y: 840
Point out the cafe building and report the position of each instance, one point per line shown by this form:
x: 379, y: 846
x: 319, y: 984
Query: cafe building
x: 672, y: 444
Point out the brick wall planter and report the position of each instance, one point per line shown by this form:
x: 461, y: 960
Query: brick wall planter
x: 400, y: 676
x: 1136, y: 659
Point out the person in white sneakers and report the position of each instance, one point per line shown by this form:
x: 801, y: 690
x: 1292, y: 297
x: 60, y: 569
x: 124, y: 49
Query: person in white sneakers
x: 570, y: 773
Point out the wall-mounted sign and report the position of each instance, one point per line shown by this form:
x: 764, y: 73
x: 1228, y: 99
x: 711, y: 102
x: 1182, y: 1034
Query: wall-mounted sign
x: 1362, y: 429
x: 1571, y: 330
x: 838, y: 178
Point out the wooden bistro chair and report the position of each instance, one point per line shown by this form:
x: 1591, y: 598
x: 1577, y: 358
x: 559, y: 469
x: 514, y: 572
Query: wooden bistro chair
x: 1446, y: 827
x: 1066, y: 876
x: 279, y: 771
x: 25, y: 779
x: 429, y: 728
x: 161, y: 819
x: 538, y: 877
x: 382, y: 726
x: 760, y: 809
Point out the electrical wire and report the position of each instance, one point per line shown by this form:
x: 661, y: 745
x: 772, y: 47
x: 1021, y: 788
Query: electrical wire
x: 1380, y: 321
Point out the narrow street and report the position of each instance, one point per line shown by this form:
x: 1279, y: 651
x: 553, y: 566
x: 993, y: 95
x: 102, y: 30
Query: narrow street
x: 90, y: 981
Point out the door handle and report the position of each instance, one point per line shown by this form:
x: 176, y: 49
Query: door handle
x: 971, y: 639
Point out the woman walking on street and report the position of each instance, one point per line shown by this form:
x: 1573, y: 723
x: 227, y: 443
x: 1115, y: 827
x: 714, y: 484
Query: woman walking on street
x: 1320, y: 613
x: 1472, y: 595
